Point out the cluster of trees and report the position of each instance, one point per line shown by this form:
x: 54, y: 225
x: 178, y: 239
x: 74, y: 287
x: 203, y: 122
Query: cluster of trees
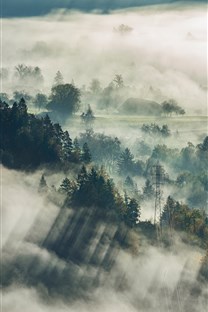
x: 128, y: 166
x: 171, y: 107
x: 123, y: 29
x: 109, y: 97
x: 106, y: 149
x: 28, y: 141
x: 88, y: 117
x: 64, y: 99
x: 28, y: 74
x: 180, y: 217
x: 23, y: 74
x: 190, y: 158
x: 189, y: 164
x: 94, y: 188
x: 155, y: 130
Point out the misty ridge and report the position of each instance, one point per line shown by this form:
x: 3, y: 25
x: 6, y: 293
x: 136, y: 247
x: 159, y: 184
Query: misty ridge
x: 104, y: 157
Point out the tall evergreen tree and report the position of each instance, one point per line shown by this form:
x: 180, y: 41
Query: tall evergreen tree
x: 58, y: 80
x: 43, y: 187
x: 86, y: 155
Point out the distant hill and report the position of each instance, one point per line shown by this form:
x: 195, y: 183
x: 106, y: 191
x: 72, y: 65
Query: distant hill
x: 138, y: 106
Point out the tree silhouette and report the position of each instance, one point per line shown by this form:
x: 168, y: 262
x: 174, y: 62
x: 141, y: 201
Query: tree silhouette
x: 58, y: 80
x: 64, y: 99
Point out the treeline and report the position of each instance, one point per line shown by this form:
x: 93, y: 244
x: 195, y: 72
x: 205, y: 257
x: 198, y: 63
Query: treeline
x: 155, y: 130
x: 93, y: 188
x: 179, y: 217
x: 65, y: 98
x: 27, y: 141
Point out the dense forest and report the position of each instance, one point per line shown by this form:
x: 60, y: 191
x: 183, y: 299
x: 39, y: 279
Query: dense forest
x: 29, y: 142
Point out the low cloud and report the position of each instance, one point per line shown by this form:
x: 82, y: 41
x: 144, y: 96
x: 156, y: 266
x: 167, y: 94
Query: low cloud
x: 166, y: 50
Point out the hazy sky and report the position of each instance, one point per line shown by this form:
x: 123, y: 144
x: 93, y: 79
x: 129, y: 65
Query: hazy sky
x: 17, y: 8
x: 165, y: 50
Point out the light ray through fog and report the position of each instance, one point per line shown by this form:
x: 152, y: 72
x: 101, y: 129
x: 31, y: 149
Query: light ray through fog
x: 167, y: 276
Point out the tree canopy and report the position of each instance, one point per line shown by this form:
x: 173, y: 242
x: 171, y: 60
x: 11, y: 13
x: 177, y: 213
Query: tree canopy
x: 64, y: 99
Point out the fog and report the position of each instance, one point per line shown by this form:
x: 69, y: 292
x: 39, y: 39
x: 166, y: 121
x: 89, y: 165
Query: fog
x: 60, y: 255
x: 166, y: 50
x: 142, y: 277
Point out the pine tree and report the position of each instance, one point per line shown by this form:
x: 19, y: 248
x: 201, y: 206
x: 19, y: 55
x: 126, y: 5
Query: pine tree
x: 58, y: 80
x: 43, y: 185
x: 67, y: 146
x: 76, y: 151
x: 126, y: 163
x: 148, y: 190
x: 66, y: 186
x: 132, y: 214
x: 86, y: 155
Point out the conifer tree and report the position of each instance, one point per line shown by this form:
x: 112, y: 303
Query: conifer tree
x: 43, y: 185
x: 58, y: 80
x: 66, y: 186
x: 86, y: 155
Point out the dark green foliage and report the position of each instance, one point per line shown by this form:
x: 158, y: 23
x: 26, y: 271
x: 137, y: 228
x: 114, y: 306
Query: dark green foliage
x: 131, y: 188
x: 184, y: 178
x: 86, y: 155
x: 165, y: 154
x: 155, y: 130
x: 96, y: 189
x: 18, y: 95
x: 203, y: 146
x: 4, y: 97
x: 67, y: 187
x: 204, y: 180
x: 132, y: 213
x: 180, y: 217
x: 188, y: 157
x: 67, y: 146
x: 126, y: 162
x: 105, y: 150
x: 40, y: 100
x: 127, y: 165
x: 64, y: 99
x: 170, y: 107
x: 76, y: 155
x: 28, y: 142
